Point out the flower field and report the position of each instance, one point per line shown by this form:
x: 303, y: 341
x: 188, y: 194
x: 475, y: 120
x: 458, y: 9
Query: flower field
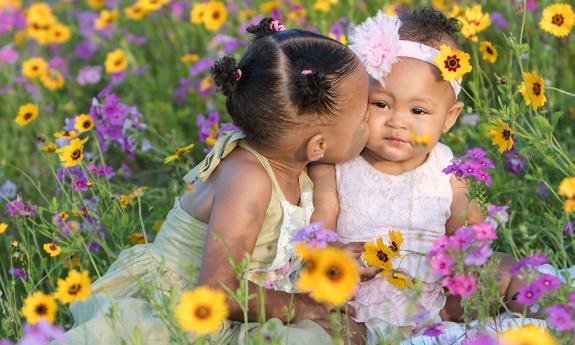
x: 106, y: 104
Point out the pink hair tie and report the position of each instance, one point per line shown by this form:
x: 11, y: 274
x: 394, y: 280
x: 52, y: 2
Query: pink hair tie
x: 306, y: 72
x: 276, y: 26
x: 238, y: 74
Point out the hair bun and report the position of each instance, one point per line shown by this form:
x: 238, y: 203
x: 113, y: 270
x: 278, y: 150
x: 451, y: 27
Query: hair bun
x: 226, y: 74
x: 311, y: 91
x: 266, y: 27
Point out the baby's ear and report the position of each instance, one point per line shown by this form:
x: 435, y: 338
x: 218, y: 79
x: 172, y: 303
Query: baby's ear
x: 452, y: 115
x: 316, y: 147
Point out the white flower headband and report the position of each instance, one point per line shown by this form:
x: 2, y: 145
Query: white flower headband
x: 376, y: 42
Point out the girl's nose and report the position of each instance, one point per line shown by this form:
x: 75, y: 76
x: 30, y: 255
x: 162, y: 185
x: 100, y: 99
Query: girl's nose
x: 397, y: 120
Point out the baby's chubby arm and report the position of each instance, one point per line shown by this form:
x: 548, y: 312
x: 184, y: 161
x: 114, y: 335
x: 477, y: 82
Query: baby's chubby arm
x: 242, y: 194
x: 463, y: 211
x: 325, y: 201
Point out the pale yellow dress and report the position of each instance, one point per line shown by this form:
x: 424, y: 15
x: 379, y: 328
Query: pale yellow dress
x: 117, y: 312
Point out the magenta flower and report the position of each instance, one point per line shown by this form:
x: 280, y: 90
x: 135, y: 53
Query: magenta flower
x: 499, y: 21
x: 572, y: 299
x: 8, y: 55
x: 484, y: 231
x: 568, y: 229
x: 441, y: 264
x: 480, y: 339
x: 462, y: 239
x: 533, y: 261
x: 42, y: 333
x: 17, y: 208
x: 547, y: 282
x: 461, y: 285
x: 560, y: 317
x: 434, y: 330
x: 497, y: 215
x: 529, y: 294
x: 17, y: 272
x: 514, y: 163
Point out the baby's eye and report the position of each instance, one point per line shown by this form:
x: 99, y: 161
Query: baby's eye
x: 418, y: 111
x: 381, y: 105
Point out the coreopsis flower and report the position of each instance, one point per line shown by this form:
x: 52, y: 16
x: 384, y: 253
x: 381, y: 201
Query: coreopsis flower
x: 190, y: 58
x: 34, y: 67
x: 377, y: 254
x: 116, y: 61
x: 96, y: 4
x: 567, y: 189
x: 66, y: 135
x: 52, y: 79
x: 197, y: 12
x: 152, y: 5
x: 83, y: 123
x: 136, y: 12
x: 215, y: 15
x: 59, y: 33
x: 527, y: 335
x: 76, y: 287
x: 178, y: 153
x: 452, y: 63
x: 399, y: 280
x: 26, y: 114
x: 473, y: 21
x: 52, y: 249
x: 106, y: 19
x: 324, y: 5
x: 501, y: 135
x: 3, y: 228
x: 137, y: 238
x: 488, y: 51
x: 202, y: 310
x: 557, y: 19
x: 329, y: 274
x: 395, y: 242
x: 39, y: 306
x: 533, y: 89
x: 73, y: 153
x: 420, y: 140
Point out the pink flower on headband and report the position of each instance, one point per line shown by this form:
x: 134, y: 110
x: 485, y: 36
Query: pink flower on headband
x: 238, y: 74
x: 376, y: 43
x: 276, y: 26
x: 306, y: 71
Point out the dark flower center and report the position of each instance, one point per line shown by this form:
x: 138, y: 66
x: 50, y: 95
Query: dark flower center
x: 27, y: 116
x: 394, y: 247
x: 74, y: 289
x: 382, y: 256
x: 558, y: 19
x: 87, y: 124
x: 216, y: 15
x: 452, y: 63
x: 76, y: 154
x: 506, y: 134
x: 41, y: 309
x: 333, y: 273
x: 203, y: 312
x: 536, y: 89
x: 489, y: 51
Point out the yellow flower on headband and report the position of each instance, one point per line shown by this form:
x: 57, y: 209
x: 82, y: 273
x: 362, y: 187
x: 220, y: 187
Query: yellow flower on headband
x: 452, y: 63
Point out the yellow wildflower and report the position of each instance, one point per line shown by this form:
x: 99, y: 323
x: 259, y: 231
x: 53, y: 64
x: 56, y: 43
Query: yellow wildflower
x: 202, y: 310
x: 26, y: 114
x: 557, y: 19
x: 76, y: 287
x: 452, y: 63
x: 533, y: 89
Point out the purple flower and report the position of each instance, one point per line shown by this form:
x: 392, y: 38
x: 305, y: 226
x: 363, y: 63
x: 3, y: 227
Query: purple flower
x: 568, y: 229
x: 529, y: 294
x: 86, y: 22
x: 85, y: 49
x: 542, y: 190
x: 18, y: 208
x: 560, y: 316
x: 479, y: 256
x: 8, y: 190
x: 547, y: 282
x: 461, y: 285
x: 8, y: 55
x: 531, y: 5
x: 5, y: 342
x: 483, y: 176
x: 514, y: 163
x: 533, y: 260
x: 480, y: 339
x: 224, y: 44
x: 314, y: 236
x: 500, y: 22
x: 200, y: 66
x: 470, y: 119
x: 94, y: 246
x: 137, y: 40
x: 497, y: 215
x: 441, y: 264
x: 476, y: 153
x: 572, y: 299
x: 462, y: 239
x: 17, y: 272
x: 41, y: 333
x: 434, y: 330
x: 254, y: 21
x: 89, y: 75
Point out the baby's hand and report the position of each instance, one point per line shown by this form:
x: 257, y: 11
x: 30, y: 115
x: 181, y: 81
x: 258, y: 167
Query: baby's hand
x: 355, y: 249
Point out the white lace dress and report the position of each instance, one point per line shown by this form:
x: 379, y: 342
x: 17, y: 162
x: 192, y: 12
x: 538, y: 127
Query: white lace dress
x: 417, y: 203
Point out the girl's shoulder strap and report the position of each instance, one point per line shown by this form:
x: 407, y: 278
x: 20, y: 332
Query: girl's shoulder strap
x: 265, y: 163
x: 224, y: 145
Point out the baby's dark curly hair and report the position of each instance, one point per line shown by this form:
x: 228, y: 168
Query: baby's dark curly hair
x: 284, y: 79
x: 430, y: 27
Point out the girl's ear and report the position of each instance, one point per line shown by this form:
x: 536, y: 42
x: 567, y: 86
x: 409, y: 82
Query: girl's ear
x: 452, y: 115
x: 316, y: 147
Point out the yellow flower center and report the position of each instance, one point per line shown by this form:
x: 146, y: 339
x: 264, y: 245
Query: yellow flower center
x: 76, y: 154
x: 203, y: 312
x: 382, y: 256
x: 333, y: 273
x: 558, y: 19
x: 74, y: 289
x: 27, y: 116
x: 41, y: 309
x: 506, y: 134
x: 536, y: 89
